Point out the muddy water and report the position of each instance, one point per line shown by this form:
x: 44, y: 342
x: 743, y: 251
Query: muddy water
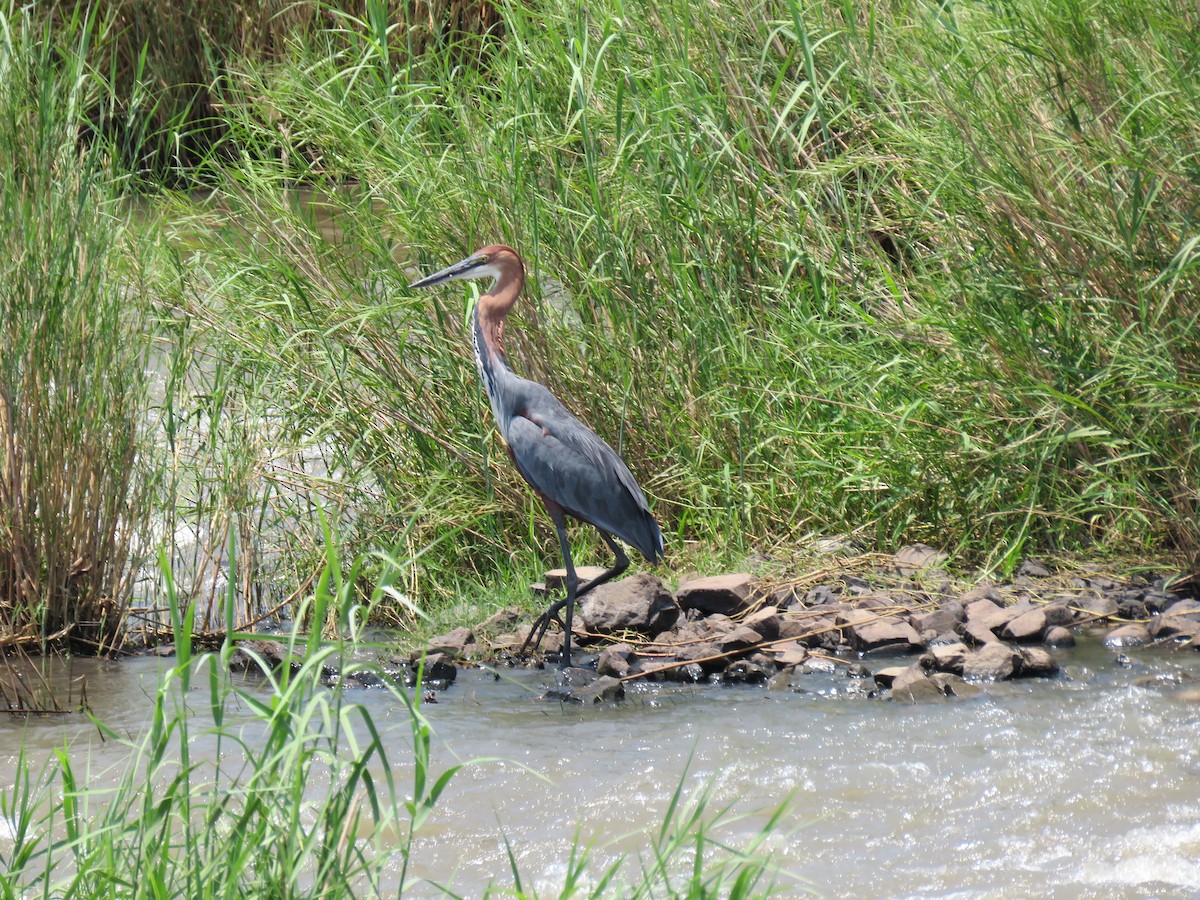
x: 1087, y: 785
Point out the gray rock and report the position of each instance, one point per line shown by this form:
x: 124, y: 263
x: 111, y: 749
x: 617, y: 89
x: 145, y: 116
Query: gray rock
x: 640, y: 604
x: 615, y: 661
x: 1033, y: 568
x: 1057, y: 636
x: 991, y: 662
x: 955, y: 686
x: 1029, y: 626
x: 585, y: 686
x: 725, y: 594
x: 1034, y: 662
x: 1058, y: 612
x: 1129, y: 635
x: 1097, y: 606
x: 914, y: 557
x: 744, y: 672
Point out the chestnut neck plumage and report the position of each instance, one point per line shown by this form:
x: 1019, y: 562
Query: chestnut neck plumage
x: 488, y: 338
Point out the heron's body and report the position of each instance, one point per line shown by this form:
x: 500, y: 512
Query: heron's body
x: 569, y: 466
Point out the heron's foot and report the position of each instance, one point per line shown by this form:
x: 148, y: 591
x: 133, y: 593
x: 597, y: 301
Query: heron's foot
x: 538, y: 631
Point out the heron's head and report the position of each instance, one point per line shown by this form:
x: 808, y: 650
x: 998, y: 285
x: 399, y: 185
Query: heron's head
x: 494, y: 262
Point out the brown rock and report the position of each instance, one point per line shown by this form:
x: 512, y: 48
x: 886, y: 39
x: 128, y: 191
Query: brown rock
x: 452, y: 643
x: 726, y: 594
x: 918, y: 690
x: 740, y: 638
x: 1097, y: 606
x: 948, y: 657
x: 765, y: 621
x: 1029, y: 626
x: 555, y: 579
x: 1169, y: 626
x: 1034, y: 662
x: 991, y: 662
x: 615, y: 661
x: 977, y: 633
x: 640, y: 604
x: 868, y: 633
x: 1057, y: 636
x: 1129, y: 635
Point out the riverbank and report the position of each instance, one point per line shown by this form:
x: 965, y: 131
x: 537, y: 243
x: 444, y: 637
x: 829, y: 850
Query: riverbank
x: 776, y: 630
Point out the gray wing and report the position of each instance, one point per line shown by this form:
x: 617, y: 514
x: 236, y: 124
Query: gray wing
x: 569, y: 464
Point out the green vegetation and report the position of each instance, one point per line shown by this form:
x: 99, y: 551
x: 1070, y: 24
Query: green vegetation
x: 914, y: 273
x: 907, y: 271
x: 904, y: 270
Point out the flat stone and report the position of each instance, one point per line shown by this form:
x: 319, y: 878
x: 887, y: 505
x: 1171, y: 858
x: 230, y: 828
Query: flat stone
x: 1132, y: 634
x: 1097, y: 606
x: 1029, y: 626
x: 639, y: 604
x: 885, y: 678
x: 765, y: 621
x: 740, y: 638
x: 991, y: 662
x: 918, y: 690
x: 1057, y: 636
x: 452, y: 643
x: 555, y: 579
x: 726, y: 594
x: 948, y: 657
x: 914, y: 557
x: 1034, y: 662
x: 988, y: 614
x: 869, y: 633
x: 978, y: 633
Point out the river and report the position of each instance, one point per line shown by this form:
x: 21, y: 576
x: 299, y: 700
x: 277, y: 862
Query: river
x: 1085, y: 785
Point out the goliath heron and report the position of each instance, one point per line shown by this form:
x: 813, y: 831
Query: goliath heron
x: 572, y: 470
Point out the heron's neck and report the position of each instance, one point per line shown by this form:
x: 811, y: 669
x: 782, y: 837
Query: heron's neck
x: 490, y: 314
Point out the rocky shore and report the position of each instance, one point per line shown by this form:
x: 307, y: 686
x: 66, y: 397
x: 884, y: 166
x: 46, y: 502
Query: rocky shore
x: 753, y: 629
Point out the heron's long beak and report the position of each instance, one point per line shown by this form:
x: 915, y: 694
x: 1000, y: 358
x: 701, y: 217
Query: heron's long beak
x: 458, y: 270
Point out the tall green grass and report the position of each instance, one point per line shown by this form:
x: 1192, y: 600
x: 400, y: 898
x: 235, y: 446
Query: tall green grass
x: 76, y: 484
x: 911, y: 272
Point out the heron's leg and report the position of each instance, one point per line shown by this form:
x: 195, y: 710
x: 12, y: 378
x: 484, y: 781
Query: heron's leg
x: 572, y: 583
x: 618, y: 566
